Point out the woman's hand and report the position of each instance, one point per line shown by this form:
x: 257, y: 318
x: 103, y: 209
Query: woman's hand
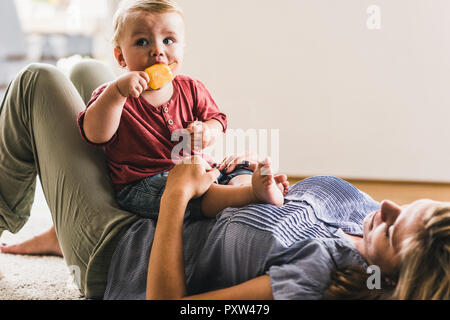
x: 229, y: 163
x: 191, y: 178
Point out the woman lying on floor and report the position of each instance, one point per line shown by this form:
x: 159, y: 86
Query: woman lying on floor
x: 265, y: 252
x: 252, y: 252
x: 317, y: 245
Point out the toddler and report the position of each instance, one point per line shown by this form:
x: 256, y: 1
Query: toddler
x: 134, y: 123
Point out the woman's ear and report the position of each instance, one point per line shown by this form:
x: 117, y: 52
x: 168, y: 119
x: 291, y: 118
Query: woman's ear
x: 119, y: 57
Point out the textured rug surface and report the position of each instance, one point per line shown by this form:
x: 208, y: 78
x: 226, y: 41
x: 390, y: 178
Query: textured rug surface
x: 35, y: 277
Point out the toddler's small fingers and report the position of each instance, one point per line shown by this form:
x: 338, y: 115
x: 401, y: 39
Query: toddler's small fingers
x: 144, y: 76
x: 189, y: 130
x: 136, y: 93
x: 193, y: 125
x: 143, y: 84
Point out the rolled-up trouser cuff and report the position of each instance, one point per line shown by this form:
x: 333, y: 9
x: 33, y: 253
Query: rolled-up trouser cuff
x: 11, y: 221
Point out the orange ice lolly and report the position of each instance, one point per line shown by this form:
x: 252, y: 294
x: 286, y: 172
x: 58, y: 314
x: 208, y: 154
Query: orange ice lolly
x: 160, y: 75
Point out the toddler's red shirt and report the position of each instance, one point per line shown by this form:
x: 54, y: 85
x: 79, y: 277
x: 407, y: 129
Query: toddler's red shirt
x: 142, y: 145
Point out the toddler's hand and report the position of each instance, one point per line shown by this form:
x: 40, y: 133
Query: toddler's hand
x: 132, y: 84
x: 201, y: 135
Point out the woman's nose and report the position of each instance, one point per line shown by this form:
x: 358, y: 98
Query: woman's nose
x: 390, y: 211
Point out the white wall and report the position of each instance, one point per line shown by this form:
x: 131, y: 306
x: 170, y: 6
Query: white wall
x: 348, y: 101
x: 12, y: 39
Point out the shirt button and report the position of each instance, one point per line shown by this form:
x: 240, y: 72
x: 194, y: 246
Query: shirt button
x: 170, y: 122
x: 166, y: 109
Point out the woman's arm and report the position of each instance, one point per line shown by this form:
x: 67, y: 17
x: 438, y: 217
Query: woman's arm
x: 255, y: 289
x: 188, y: 180
x: 166, y: 283
x: 166, y: 278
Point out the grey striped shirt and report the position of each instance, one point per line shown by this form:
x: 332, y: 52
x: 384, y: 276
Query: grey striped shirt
x: 298, y: 245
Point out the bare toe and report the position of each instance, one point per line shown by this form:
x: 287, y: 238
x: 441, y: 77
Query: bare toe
x: 280, y: 178
x: 286, y: 187
x: 12, y: 249
x: 265, y: 188
x: 282, y: 183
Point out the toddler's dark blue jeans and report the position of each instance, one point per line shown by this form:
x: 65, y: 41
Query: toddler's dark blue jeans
x: 143, y: 198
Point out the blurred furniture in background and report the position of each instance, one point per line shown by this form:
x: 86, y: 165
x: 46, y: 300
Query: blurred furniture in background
x: 49, y: 30
x: 13, y: 48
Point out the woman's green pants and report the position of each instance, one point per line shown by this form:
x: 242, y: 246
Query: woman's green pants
x: 39, y: 135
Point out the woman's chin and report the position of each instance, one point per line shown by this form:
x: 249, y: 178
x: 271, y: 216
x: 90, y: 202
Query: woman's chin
x: 366, y: 223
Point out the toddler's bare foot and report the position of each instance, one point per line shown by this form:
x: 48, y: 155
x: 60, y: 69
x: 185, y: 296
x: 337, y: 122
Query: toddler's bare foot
x: 43, y: 244
x: 265, y: 187
x: 282, y: 183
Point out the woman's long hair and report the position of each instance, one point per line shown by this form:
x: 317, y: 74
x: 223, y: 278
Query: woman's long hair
x: 425, y: 269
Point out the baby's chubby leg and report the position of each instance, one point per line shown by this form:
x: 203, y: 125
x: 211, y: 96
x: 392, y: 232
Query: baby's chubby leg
x: 241, y: 180
x: 219, y: 197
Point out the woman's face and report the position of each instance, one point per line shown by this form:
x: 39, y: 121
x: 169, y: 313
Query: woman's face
x: 384, y: 231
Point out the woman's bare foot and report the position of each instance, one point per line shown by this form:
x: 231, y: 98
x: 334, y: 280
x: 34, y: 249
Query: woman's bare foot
x: 265, y: 188
x: 43, y: 244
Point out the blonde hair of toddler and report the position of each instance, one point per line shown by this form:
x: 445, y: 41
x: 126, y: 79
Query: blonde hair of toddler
x: 127, y: 7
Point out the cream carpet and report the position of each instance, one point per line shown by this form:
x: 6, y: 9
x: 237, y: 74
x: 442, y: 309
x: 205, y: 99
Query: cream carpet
x: 35, y: 277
